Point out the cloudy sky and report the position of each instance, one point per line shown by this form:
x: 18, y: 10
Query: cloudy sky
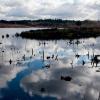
x: 37, y: 9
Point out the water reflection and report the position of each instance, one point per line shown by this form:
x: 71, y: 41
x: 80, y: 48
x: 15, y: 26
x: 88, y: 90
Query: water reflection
x: 7, y: 73
x: 63, y: 70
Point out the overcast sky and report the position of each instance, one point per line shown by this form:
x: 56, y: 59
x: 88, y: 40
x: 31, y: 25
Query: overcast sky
x: 37, y: 9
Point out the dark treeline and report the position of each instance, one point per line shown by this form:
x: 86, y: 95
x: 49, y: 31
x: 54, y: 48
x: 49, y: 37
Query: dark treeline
x: 53, y: 23
x: 54, y: 34
x: 15, y: 22
x: 40, y: 22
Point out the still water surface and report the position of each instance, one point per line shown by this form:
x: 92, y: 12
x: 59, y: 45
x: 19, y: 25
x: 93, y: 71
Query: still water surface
x: 48, y: 70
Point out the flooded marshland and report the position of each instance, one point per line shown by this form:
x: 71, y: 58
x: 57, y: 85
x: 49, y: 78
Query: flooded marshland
x: 48, y: 70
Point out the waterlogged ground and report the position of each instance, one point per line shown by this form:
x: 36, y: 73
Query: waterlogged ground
x: 48, y: 70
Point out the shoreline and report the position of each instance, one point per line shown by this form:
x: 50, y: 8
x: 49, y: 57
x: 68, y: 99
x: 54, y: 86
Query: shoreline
x: 22, y: 26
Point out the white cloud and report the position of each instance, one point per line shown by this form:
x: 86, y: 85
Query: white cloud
x: 34, y: 9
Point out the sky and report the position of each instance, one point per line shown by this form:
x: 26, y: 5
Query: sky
x: 44, y: 9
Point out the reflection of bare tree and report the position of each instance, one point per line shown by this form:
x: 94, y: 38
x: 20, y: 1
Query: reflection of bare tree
x: 72, y: 64
x: 95, y: 60
x: 32, y: 51
x: 99, y: 96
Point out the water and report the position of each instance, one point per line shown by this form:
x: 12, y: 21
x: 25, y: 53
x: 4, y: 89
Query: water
x: 32, y: 70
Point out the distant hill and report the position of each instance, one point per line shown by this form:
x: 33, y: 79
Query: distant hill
x: 59, y: 23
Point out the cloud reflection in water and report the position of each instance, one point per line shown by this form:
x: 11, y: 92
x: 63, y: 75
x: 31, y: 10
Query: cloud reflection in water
x: 47, y: 82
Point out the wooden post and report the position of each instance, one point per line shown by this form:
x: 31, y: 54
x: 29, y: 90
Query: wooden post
x: 43, y: 55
